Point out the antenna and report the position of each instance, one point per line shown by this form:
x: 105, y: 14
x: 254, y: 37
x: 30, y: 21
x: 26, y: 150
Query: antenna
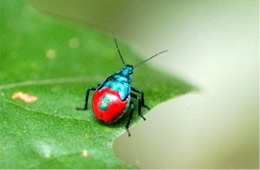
x: 150, y: 58
x: 122, y: 59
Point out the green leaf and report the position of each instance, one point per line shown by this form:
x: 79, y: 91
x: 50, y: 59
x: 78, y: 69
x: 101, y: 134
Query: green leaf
x: 57, y: 62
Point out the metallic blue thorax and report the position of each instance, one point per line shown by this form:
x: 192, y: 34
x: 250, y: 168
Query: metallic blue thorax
x: 121, y: 81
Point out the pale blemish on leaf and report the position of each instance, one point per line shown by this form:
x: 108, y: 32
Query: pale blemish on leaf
x: 74, y: 42
x: 44, y: 149
x: 85, y: 152
x: 26, y: 98
x: 51, y: 53
x: 2, y: 94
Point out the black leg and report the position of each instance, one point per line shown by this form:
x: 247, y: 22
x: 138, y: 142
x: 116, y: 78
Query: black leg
x: 86, y: 100
x: 142, y: 96
x: 139, y: 104
x: 132, y: 106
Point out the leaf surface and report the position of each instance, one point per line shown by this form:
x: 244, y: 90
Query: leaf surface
x: 57, y: 62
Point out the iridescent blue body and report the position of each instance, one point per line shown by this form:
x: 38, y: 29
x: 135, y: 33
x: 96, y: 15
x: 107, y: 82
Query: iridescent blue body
x: 120, y: 81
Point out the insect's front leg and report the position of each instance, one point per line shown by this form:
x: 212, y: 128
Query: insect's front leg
x: 139, y: 104
x: 86, y: 99
x: 132, y: 106
x: 142, y: 96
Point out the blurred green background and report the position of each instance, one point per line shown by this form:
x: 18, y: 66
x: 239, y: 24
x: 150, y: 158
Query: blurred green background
x: 212, y: 43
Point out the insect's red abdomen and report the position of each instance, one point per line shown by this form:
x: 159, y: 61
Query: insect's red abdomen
x: 108, y: 106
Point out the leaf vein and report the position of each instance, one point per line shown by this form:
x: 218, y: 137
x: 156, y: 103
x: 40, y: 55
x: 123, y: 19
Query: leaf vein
x: 35, y: 111
x: 50, y: 81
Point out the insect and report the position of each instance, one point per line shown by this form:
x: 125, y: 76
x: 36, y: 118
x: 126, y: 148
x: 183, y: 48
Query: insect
x: 112, y: 97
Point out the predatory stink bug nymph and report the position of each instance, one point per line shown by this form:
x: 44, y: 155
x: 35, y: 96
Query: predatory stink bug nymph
x: 112, y: 97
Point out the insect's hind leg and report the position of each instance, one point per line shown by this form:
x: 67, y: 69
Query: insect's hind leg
x: 132, y: 106
x: 142, y: 96
x: 139, y: 104
x: 86, y: 99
